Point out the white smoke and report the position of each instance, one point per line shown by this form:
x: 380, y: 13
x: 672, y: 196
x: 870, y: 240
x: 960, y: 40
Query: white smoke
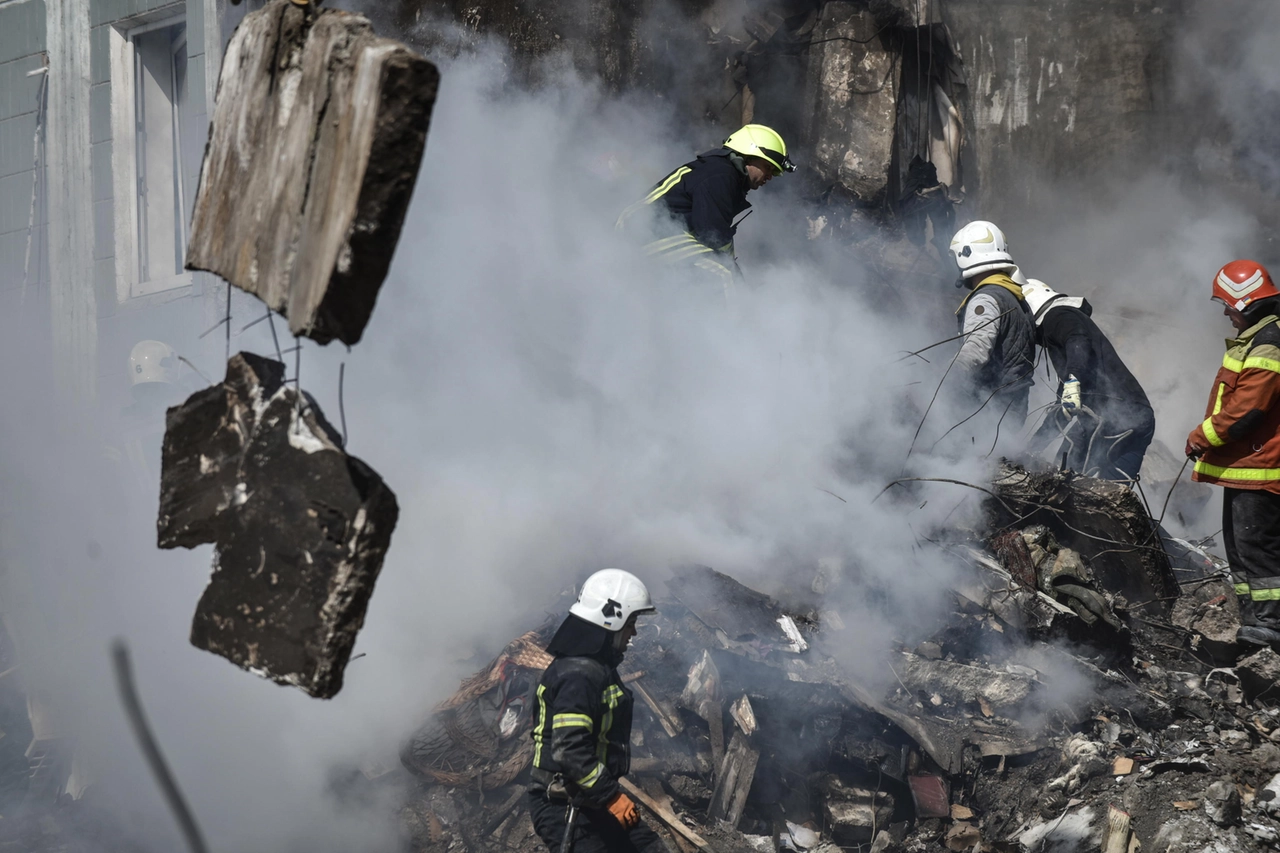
x: 545, y: 403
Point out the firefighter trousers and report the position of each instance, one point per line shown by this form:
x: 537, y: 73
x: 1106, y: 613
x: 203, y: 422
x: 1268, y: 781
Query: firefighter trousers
x: 1251, y: 535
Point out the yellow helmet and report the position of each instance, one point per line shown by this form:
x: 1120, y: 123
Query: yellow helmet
x: 756, y: 140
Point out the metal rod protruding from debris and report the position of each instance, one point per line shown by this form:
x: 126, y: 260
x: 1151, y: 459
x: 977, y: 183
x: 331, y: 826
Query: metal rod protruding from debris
x: 151, y: 749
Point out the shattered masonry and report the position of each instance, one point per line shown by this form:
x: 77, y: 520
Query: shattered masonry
x: 1057, y: 707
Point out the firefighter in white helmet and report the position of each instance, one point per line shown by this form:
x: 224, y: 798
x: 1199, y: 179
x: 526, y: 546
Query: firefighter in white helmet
x: 582, y: 725
x: 998, y: 350
x: 1095, y: 389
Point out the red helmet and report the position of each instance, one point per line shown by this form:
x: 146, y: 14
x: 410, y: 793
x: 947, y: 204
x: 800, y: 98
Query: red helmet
x: 1241, y: 283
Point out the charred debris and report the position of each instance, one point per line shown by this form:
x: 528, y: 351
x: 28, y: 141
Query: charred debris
x: 1084, y: 692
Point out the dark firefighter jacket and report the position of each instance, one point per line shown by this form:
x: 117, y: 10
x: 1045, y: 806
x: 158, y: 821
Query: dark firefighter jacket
x: 1242, y: 421
x: 999, y: 349
x: 1077, y: 347
x: 582, y: 727
x: 704, y: 195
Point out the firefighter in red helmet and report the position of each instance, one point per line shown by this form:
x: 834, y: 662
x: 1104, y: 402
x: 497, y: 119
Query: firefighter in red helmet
x: 1238, y: 445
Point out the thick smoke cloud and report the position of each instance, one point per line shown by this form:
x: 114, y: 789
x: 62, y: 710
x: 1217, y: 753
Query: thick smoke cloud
x: 544, y: 403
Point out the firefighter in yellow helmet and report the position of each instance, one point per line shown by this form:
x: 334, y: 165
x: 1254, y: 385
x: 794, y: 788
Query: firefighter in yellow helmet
x: 703, y: 197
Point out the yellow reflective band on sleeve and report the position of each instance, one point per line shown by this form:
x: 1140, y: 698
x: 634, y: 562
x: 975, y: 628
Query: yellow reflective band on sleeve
x: 1243, y: 475
x: 564, y: 721
x: 1264, y: 594
x: 610, y: 698
x: 1235, y: 365
x: 1261, y: 363
x: 1242, y: 589
x: 665, y: 187
x: 1211, y: 433
x: 540, y: 730
x: 592, y: 777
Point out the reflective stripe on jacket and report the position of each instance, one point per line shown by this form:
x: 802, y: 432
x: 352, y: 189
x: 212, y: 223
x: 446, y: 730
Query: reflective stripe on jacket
x: 1242, y: 420
x: 582, y: 729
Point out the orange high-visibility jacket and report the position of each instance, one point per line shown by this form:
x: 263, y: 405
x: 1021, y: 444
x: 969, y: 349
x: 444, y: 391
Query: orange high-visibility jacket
x: 1242, y: 421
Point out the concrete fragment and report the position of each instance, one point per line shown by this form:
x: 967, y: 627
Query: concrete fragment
x: 962, y: 836
x: 1210, y: 609
x: 1222, y: 803
x: 690, y: 791
x: 1268, y: 798
x: 1266, y: 757
x: 929, y: 651
x: 313, y: 152
x: 300, y: 528
x: 961, y: 683
x: 1259, y: 672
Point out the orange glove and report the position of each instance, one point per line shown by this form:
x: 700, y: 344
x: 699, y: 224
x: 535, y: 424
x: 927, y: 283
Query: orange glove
x: 623, y: 810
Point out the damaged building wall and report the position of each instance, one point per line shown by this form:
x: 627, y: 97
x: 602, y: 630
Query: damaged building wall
x: 1058, y: 91
x: 1055, y: 90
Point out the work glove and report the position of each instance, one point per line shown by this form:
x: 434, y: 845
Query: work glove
x: 623, y: 810
x: 1071, y: 396
x: 1194, y: 449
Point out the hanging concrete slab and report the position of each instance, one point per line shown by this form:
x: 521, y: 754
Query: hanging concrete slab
x: 299, y: 527
x: 313, y: 152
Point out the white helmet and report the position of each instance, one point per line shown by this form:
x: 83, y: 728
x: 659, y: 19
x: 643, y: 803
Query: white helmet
x: 980, y: 247
x: 610, y: 597
x: 152, y: 361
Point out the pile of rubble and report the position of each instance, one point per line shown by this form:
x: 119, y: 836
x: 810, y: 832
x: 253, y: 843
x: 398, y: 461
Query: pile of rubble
x: 1084, y: 693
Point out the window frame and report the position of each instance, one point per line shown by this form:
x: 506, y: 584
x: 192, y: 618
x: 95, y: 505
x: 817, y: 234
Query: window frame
x: 124, y: 158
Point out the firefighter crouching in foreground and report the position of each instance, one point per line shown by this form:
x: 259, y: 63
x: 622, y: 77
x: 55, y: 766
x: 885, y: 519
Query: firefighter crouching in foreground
x: 582, y: 725
x: 999, y: 349
x: 705, y: 195
x: 1114, y: 421
x: 1238, y: 446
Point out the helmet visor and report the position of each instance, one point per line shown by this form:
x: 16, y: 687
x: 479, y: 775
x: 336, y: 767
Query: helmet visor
x: 781, y: 162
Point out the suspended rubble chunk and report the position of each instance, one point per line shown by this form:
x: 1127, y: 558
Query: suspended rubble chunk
x: 314, y: 148
x: 299, y: 527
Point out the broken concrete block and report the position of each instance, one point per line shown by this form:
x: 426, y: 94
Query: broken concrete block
x: 961, y: 684
x: 1222, y: 803
x: 300, y: 528
x: 314, y: 148
x: 1259, y: 672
